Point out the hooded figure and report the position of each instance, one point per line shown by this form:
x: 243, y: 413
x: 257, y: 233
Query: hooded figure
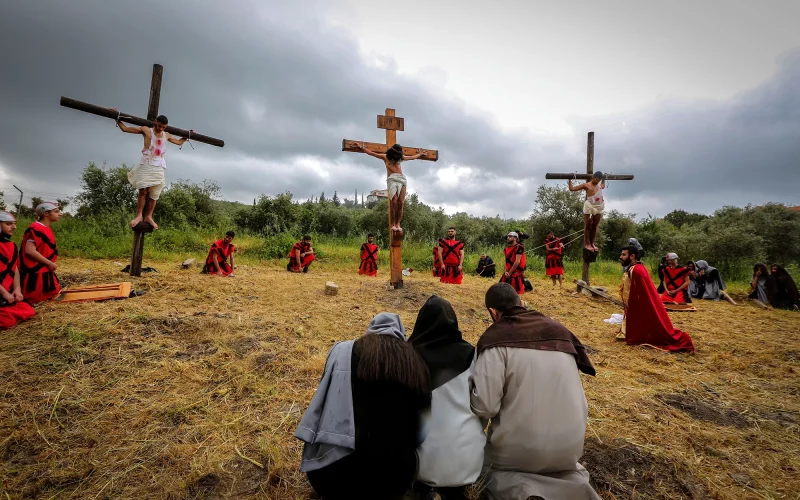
x: 783, y: 288
x: 710, y: 284
x: 363, y: 425
x: 451, y: 456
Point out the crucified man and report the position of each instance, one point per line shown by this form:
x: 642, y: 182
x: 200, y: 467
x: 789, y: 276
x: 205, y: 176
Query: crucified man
x: 592, y: 208
x: 148, y: 176
x: 395, y: 180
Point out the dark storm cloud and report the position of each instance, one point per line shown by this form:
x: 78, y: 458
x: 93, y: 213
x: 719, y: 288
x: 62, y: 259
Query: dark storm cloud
x: 282, y: 89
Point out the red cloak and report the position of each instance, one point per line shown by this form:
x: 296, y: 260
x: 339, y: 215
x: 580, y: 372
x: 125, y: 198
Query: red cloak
x: 369, y: 259
x: 11, y: 314
x: 646, y: 319
x: 222, y: 252
x: 38, y: 282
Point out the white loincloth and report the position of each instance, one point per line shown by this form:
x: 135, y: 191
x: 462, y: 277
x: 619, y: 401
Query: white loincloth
x: 147, y: 176
x: 590, y: 208
x: 395, y: 183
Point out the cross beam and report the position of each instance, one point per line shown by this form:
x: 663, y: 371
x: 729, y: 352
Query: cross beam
x: 391, y: 124
x: 588, y: 256
x: 152, y: 112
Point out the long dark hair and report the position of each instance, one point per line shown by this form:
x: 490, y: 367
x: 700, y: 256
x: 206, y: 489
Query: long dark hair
x: 388, y: 359
x: 761, y: 267
x: 395, y: 153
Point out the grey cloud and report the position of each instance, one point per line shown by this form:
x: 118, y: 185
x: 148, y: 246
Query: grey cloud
x: 279, y: 86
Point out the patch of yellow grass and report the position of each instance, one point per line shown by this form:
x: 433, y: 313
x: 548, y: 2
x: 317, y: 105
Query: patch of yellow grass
x: 185, y: 391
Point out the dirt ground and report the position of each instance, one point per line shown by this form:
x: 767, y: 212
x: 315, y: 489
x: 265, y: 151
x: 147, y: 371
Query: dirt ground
x: 194, y: 389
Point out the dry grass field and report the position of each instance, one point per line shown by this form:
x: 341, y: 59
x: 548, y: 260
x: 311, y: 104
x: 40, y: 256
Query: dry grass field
x: 194, y: 389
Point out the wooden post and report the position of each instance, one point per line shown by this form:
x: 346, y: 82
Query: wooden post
x: 391, y: 124
x: 155, y: 92
x: 588, y: 257
x: 138, y: 247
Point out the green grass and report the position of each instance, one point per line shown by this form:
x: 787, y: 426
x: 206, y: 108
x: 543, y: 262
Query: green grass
x: 109, y: 237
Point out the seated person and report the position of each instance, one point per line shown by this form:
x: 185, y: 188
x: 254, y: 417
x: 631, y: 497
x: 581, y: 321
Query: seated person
x: 363, y: 425
x: 710, y: 285
x: 451, y: 457
x: 527, y: 382
x: 759, y: 284
x: 218, y: 255
x: 784, y: 289
x: 13, y: 307
x: 692, y: 278
x: 486, y: 267
x: 301, y: 256
x: 676, y: 281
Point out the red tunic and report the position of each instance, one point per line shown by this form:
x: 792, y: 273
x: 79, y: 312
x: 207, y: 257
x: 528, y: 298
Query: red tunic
x: 646, y: 319
x: 39, y: 283
x: 517, y: 278
x: 553, y: 263
x: 674, y: 278
x: 451, y: 255
x: 437, y: 266
x: 369, y: 259
x: 11, y: 314
x: 223, y: 252
x: 300, y: 247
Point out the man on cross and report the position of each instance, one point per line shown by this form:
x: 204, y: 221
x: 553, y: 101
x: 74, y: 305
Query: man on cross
x: 592, y: 208
x: 395, y: 180
x: 148, y: 176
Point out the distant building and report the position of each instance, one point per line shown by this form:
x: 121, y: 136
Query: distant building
x: 377, y: 194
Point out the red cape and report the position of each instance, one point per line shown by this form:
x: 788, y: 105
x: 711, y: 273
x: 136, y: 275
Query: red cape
x: 647, y: 321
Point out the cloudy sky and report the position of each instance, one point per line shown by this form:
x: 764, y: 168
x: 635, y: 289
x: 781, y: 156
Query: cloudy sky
x: 699, y: 100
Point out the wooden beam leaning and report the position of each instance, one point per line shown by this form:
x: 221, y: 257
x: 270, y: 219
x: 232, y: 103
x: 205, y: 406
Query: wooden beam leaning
x: 135, y: 120
x: 352, y: 147
x: 587, y: 177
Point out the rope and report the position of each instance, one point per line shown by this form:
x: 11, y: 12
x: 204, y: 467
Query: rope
x: 187, y: 140
x: 560, y: 237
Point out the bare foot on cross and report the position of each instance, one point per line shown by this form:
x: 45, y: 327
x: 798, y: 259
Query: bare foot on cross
x: 135, y: 222
x: 589, y: 247
x: 150, y: 221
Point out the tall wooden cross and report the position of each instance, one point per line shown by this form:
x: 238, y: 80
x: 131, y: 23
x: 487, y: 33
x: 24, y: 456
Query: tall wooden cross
x: 588, y: 257
x: 152, y: 112
x: 391, y: 124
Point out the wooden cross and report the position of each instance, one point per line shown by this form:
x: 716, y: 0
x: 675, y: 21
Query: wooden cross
x: 589, y: 257
x: 152, y: 112
x: 391, y: 124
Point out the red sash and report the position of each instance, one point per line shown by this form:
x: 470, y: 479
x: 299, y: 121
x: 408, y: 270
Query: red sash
x: 451, y: 251
x: 222, y: 251
x: 8, y: 264
x: 674, y: 278
x: 298, y: 248
x: 38, y: 282
x: 511, y: 255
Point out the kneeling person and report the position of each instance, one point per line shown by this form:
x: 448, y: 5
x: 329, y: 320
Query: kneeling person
x: 39, y: 256
x: 301, y: 256
x: 221, y: 251
x: 13, y: 307
x: 676, y: 281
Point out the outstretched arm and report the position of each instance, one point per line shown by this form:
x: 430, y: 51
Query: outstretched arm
x: 579, y: 187
x: 180, y: 141
x: 420, y: 154
x: 127, y: 129
x: 371, y: 153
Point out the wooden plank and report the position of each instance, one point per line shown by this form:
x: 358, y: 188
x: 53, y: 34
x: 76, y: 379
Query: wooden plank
x: 599, y: 293
x: 135, y: 120
x: 155, y: 92
x: 586, y: 177
x: 352, y: 147
x: 391, y: 123
x: 590, y: 153
x: 96, y: 292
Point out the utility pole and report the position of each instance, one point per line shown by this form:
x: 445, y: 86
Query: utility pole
x: 19, y: 207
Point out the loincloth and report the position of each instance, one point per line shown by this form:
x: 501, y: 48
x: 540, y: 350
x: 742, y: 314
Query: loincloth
x: 395, y: 183
x: 147, y: 176
x: 590, y: 208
